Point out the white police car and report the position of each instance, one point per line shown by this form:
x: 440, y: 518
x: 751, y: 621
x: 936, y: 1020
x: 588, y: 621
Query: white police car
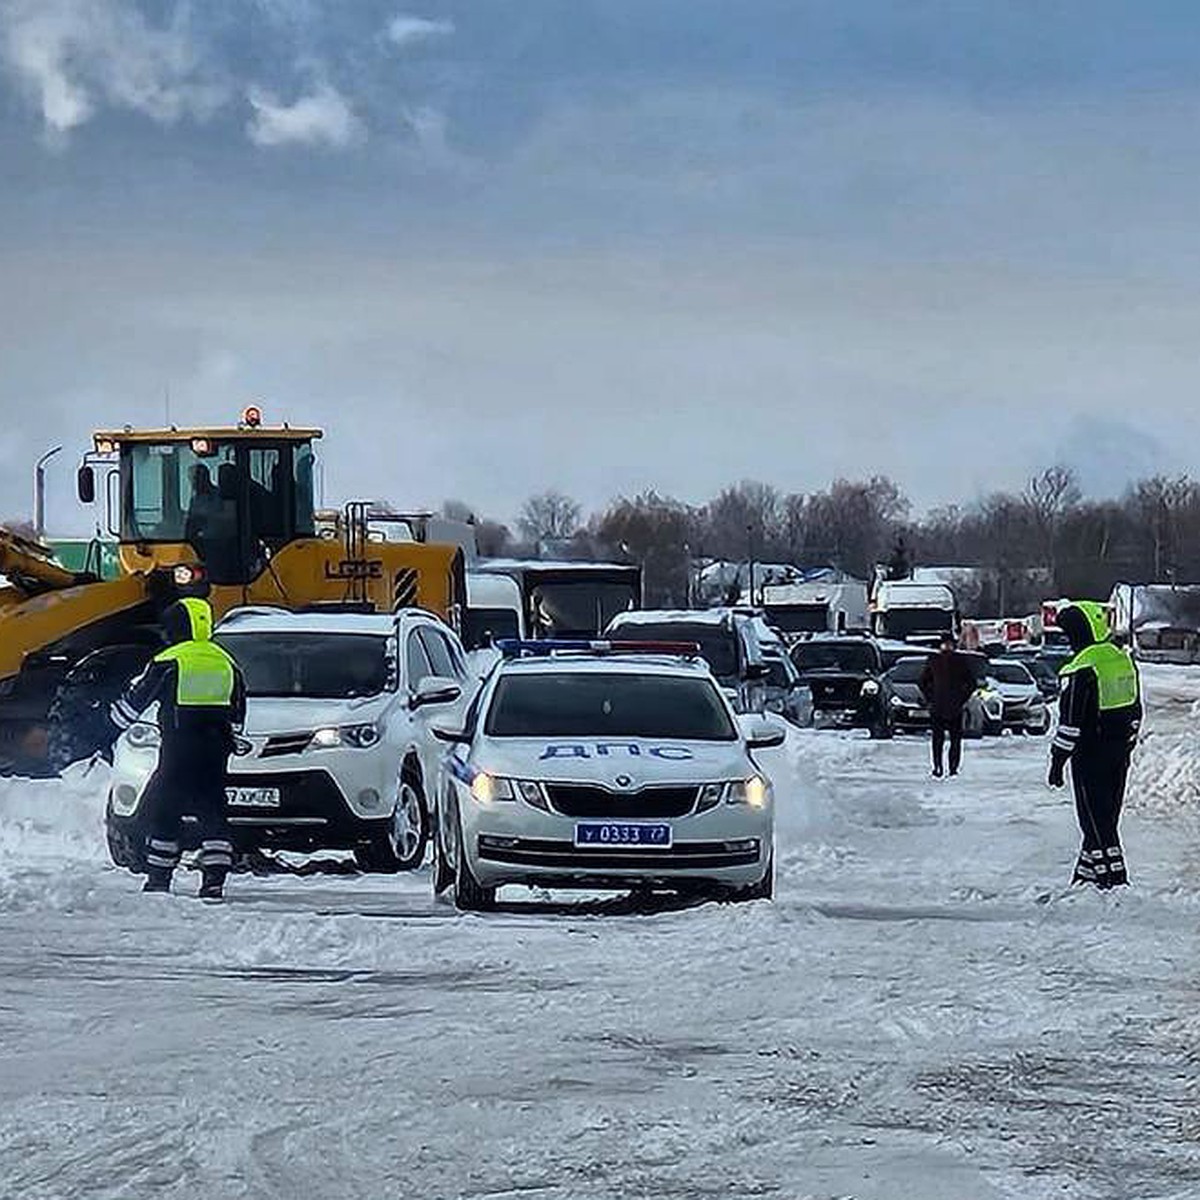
x: 604, y: 765
x: 336, y: 752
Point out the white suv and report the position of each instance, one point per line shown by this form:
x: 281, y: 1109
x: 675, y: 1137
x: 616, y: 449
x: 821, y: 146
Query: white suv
x: 604, y: 765
x: 336, y: 752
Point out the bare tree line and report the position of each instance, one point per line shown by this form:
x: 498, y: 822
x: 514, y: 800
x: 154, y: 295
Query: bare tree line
x: 1045, y: 540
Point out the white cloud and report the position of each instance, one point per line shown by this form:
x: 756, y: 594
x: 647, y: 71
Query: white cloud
x: 75, y: 56
x: 405, y: 30
x: 324, y: 117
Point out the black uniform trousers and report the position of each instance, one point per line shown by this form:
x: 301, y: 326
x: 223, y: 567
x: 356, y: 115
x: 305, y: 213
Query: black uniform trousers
x: 189, y: 782
x: 1098, y: 774
x: 943, y: 727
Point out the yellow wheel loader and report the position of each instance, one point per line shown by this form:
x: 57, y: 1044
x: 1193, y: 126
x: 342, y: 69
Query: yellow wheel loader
x: 226, y: 513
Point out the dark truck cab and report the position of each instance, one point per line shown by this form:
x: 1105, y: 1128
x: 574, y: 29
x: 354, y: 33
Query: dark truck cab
x: 847, y: 677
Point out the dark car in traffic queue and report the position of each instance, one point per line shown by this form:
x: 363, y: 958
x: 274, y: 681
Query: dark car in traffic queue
x: 848, y: 681
x: 983, y: 714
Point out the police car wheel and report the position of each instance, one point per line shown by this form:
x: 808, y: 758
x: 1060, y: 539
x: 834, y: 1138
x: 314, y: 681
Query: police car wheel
x: 764, y: 889
x: 469, y: 894
x: 443, y: 872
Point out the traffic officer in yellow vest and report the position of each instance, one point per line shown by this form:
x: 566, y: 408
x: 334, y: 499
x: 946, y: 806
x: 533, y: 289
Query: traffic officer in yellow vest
x: 1100, y: 712
x: 201, y: 701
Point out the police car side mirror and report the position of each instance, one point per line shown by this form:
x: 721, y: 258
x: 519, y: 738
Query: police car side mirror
x: 453, y: 737
x: 761, y: 734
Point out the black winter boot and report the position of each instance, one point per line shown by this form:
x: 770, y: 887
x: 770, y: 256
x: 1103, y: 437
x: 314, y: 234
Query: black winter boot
x: 158, y: 879
x: 212, y: 885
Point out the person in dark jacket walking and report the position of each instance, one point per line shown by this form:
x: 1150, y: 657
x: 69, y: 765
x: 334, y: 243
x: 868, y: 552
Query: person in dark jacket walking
x: 947, y: 683
x: 201, y: 700
x: 1099, y: 716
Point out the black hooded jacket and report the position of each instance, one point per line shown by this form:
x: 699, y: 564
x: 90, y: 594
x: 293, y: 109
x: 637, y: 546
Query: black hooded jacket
x: 1083, y: 728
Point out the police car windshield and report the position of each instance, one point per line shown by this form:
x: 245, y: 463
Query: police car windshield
x: 578, y: 704
x: 311, y: 666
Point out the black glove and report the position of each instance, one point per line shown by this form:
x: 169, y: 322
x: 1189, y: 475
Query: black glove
x: 1058, y: 772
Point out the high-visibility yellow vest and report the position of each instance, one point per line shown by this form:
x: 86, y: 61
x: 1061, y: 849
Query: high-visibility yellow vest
x: 204, y: 674
x: 1116, y: 676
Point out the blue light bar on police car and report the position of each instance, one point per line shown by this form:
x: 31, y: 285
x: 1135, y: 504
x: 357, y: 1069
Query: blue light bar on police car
x: 519, y: 648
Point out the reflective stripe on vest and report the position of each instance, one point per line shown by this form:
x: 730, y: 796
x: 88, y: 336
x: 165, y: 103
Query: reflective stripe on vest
x: 204, y: 674
x: 1116, y: 676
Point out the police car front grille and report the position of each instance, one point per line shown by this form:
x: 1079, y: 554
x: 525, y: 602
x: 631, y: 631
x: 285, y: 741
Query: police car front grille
x: 680, y: 858
x: 586, y: 800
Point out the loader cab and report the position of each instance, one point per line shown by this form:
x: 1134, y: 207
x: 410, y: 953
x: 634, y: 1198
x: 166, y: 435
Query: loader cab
x: 226, y: 498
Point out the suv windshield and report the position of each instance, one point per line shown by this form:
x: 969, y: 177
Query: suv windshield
x: 313, y: 666
x: 579, y: 704
x: 855, y: 657
x: 718, y: 643
x: 799, y: 618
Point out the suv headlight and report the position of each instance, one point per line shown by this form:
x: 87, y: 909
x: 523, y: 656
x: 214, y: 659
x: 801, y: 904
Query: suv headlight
x: 870, y: 687
x: 358, y: 737
x: 143, y: 736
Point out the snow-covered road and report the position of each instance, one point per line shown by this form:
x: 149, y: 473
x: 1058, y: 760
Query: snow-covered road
x: 925, y: 1011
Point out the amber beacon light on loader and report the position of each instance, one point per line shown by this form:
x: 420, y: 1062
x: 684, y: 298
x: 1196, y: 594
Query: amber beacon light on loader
x: 226, y: 513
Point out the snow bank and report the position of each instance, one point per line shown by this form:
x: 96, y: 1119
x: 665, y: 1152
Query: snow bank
x: 52, y: 839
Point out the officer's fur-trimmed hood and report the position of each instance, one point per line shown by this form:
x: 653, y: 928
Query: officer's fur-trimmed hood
x: 188, y: 620
x: 1085, y: 623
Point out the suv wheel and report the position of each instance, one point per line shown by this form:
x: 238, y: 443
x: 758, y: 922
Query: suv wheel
x: 402, y: 847
x: 126, y: 841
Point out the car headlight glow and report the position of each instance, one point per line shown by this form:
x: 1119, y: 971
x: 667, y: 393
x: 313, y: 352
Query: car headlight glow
x: 870, y: 688
x: 487, y: 789
x: 360, y: 737
x: 755, y: 791
x: 897, y: 702
x: 143, y: 736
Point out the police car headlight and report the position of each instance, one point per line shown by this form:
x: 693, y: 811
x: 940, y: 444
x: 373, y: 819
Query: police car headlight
x: 489, y: 789
x: 532, y: 793
x: 143, y: 737
x: 755, y: 791
x: 870, y: 688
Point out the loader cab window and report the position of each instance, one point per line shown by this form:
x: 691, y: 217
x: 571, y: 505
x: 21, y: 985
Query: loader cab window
x: 231, y: 504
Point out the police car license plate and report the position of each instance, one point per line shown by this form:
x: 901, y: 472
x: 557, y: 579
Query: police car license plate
x: 251, y: 797
x: 626, y: 835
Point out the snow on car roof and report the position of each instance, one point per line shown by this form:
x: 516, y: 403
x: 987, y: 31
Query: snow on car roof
x: 260, y: 620
x: 665, y: 616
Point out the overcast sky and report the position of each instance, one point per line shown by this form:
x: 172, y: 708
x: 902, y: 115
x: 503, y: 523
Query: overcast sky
x: 603, y: 245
